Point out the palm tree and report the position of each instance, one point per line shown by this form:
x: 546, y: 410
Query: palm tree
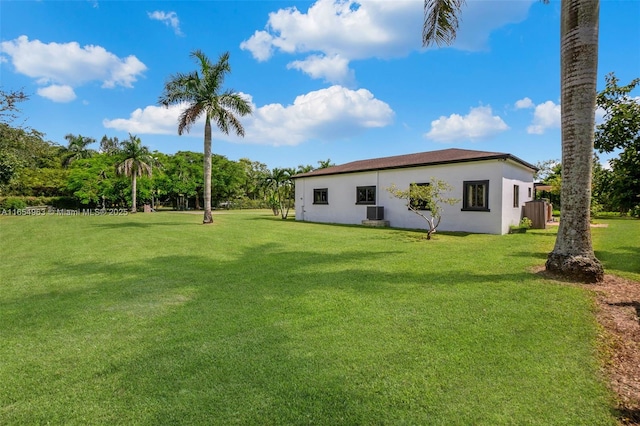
x: 76, y: 149
x: 109, y: 146
x: 325, y: 164
x: 573, y: 255
x: 201, y: 92
x: 282, y: 190
x: 137, y: 162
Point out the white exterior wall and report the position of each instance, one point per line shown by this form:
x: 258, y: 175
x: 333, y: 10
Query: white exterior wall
x: 515, y: 174
x: 342, y: 207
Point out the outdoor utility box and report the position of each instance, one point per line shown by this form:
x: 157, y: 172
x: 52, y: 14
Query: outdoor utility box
x: 538, y: 212
x: 375, y: 213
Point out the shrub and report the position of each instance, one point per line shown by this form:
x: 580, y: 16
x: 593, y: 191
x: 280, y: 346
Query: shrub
x: 62, y: 202
x: 526, y: 223
x: 11, y: 203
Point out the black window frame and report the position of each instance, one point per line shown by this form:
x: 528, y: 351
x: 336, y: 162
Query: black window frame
x: 369, y: 193
x: 318, y: 196
x: 423, y: 205
x: 516, y: 196
x: 468, y: 186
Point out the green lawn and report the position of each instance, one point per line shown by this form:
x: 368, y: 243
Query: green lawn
x: 156, y: 319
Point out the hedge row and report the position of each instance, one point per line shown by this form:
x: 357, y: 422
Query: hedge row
x: 20, y: 202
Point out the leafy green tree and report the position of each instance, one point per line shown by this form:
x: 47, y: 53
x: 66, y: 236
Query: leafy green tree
x: 93, y: 180
x: 137, y: 161
x: 202, y: 92
x: 550, y: 174
x: 572, y: 255
x: 45, y: 181
x: 9, y: 100
x: 21, y: 148
x: 255, y: 174
x: 545, y: 169
x: 621, y: 131
x: 183, y: 178
x: 426, y: 201
x: 9, y: 166
x: 25, y: 159
x: 77, y: 148
x: 227, y: 178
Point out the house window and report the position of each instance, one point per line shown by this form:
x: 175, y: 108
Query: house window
x: 476, y: 195
x: 420, y: 204
x: 320, y: 196
x: 366, y: 195
x: 516, y: 196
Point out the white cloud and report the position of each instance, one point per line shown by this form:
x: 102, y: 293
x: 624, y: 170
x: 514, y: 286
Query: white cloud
x: 333, y: 69
x: 479, y: 124
x: 170, y: 19
x: 600, y: 114
x: 152, y: 120
x: 371, y: 29
x: 545, y: 116
x: 524, y: 103
x: 57, y: 93
x: 260, y: 44
x: 68, y: 64
x: 327, y: 114
x: 480, y: 18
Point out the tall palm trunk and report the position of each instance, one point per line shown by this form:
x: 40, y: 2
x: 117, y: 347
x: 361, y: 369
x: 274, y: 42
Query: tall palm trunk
x: 573, y: 254
x: 208, y: 217
x: 133, y: 192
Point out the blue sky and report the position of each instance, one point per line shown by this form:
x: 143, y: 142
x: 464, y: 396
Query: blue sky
x: 343, y: 80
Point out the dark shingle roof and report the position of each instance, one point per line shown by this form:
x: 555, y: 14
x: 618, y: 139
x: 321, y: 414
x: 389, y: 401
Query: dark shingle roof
x: 430, y: 158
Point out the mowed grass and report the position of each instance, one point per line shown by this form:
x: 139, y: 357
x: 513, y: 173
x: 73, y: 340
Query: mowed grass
x: 157, y: 319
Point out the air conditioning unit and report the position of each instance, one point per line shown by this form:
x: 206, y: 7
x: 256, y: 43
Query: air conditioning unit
x: 375, y: 213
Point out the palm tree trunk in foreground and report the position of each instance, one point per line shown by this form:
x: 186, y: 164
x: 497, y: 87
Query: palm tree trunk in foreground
x: 208, y: 217
x: 573, y: 256
x: 133, y: 193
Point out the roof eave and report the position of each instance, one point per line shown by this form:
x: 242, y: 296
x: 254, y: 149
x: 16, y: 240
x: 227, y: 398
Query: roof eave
x: 433, y: 163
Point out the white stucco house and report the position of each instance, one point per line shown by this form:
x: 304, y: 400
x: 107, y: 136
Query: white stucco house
x: 492, y: 188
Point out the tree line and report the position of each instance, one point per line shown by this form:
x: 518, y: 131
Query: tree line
x: 110, y: 173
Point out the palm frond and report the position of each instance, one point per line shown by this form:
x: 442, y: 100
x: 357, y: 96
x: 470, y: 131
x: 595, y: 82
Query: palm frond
x: 189, y: 116
x: 236, y: 103
x: 202, y: 59
x: 179, y: 88
x: 137, y: 158
x: 440, y: 21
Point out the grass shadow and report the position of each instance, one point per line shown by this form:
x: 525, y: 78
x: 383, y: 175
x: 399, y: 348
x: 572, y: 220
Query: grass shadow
x: 131, y: 224
x: 622, y: 259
